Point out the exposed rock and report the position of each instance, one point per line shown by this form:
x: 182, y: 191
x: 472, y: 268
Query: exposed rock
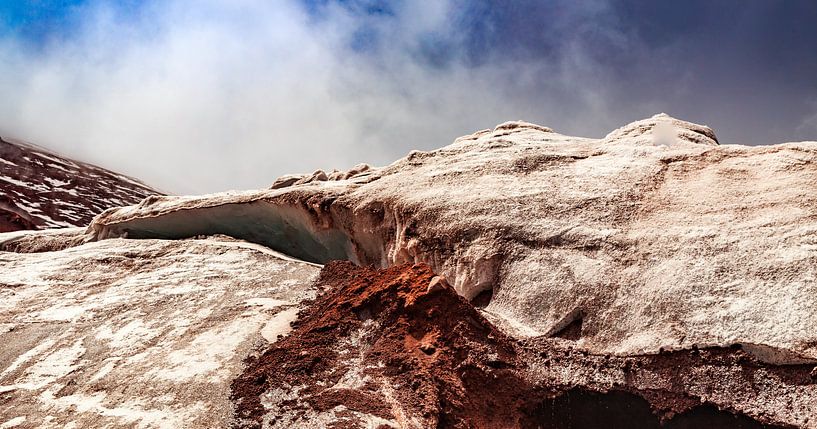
x: 40, y: 189
x: 12, y: 217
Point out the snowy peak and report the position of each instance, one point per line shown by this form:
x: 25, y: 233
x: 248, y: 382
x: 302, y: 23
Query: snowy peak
x: 663, y: 130
x: 39, y: 189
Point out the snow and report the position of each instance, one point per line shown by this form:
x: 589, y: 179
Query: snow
x: 54, y: 366
x: 144, y: 333
x: 638, y: 230
x: 57, y: 183
x: 17, y: 421
x: 22, y: 184
x: 27, y: 356
x: 279, y: 325
x: 656, y: 236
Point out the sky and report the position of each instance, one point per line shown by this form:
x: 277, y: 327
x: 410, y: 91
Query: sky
x: 197, y: 96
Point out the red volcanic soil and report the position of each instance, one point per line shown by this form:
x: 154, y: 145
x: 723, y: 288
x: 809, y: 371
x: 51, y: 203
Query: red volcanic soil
x: 423, y: 356
x: 39, y: 189
x: 445, y: 364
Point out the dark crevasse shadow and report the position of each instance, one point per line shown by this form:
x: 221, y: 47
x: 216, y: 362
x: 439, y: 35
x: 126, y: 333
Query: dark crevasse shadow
x: 580, y: 409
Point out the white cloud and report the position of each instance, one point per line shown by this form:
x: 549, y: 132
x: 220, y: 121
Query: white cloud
x: 210, y: 95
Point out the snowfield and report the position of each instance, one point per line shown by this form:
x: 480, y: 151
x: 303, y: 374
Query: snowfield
x: 145, y: 333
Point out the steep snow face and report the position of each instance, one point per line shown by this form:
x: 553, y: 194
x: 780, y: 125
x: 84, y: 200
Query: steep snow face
x: 651, y: 238
x: 138, y: 333
x: 39, y: 189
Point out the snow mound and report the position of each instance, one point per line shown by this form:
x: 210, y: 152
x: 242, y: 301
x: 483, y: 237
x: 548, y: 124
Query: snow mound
x: 662, y: 129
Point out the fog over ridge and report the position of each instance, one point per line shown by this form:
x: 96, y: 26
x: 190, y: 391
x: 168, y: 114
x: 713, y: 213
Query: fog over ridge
x: 213, y: 95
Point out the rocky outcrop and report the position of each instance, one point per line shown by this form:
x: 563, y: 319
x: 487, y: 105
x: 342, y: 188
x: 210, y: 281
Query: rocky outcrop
x: 13, y: 218
x: 40, y: 189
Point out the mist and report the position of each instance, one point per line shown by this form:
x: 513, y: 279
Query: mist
x: 205, y: 96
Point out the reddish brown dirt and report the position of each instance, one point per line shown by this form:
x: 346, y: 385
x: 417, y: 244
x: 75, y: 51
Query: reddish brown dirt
x: 454, y: 368
x: 447, y: 367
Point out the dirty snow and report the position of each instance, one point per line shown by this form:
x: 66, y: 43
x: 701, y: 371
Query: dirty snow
x: 146, y: 333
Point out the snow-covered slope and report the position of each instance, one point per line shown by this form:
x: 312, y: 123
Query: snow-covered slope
x: 39, y: 189
x: 149, y: 333
x: 653, y: 238
x: 652, y: 263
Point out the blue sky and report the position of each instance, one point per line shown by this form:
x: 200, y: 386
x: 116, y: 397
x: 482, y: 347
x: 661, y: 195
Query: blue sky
x: 173, y: 90
x: 36, y: 19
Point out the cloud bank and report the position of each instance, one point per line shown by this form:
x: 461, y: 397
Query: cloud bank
x: 212, y: 95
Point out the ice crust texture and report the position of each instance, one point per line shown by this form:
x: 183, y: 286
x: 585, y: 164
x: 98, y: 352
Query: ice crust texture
x: 655, y: 236
x: 138, y: 333
x: 607, y: 264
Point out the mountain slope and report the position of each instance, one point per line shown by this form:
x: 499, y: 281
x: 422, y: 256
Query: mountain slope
x: 649, y: 276
x: 39, y: 189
